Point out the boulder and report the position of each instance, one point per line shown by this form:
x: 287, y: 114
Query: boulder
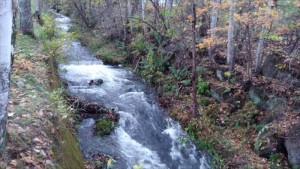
x: 96, y: 82
x: 293, y: 65
x: 220, y: 57
x: 267, y: 142
x: 264, y: 100
x: 220, y: 75
x: 227, y: 95
x: 270, y: 67
x: 274, y: 103
x: 296, y: 101
x: 292, y: 145
x: 285, y: 70
x: 220, y: 94
x: 255, y: 96
x: 273, y: 106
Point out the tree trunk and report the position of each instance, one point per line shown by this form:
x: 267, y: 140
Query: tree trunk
x: 6, y: 18
x: 249, y: 30
x: 14, y: 26
x: 38, y: 5
x: 261, y: 42
x: 143, y: 3
x: 156, y: 14
x: 230, y: 44
x: 169, y: 6
x: 213, y: 22
x: 26, y: 24
x: 155, y: 4
x: 203, y: 19
x: 37, y: 13
x: 82, y: 15
x: 126, y: 15
x: 194, y: 73
x: 123, y: 21
x: 129, y: 6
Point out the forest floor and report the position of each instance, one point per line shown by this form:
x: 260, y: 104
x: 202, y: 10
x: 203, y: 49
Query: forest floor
x: 229, y: 133
x: 29, y: 110
x: 233, y: 131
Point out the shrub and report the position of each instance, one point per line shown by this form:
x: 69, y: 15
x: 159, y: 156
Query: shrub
x: 53, y: 39
x: 203, y: 87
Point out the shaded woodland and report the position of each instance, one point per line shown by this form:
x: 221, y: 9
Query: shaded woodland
x: 227, y: 70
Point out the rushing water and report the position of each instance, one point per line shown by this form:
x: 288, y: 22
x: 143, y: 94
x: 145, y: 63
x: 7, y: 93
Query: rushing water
x: 145, y: 133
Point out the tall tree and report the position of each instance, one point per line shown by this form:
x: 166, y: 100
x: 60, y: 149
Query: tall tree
x: 26, y: 24
x: 129, y: 9
x: 230, y: 41
x: 123, y: 18
x: 156, y: 12
x: 143, y: 3
x: 38, y: 6
x: 261, y: 42
x: 169, y: 4
x: 6, y: 18
x: 213, y: 22
x: 194, y: 73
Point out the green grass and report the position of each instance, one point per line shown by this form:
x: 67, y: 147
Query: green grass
x: 112, y: 53
x: 108, y: 54
x: 27, y: 45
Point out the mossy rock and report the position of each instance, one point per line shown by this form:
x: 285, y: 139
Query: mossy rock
x: 104, y: 126
x: 267, y: 142
x: 273, y: 64
x: 228, y: 95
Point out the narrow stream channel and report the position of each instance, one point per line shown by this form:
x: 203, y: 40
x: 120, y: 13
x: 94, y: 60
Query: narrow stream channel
x: 145, y: 134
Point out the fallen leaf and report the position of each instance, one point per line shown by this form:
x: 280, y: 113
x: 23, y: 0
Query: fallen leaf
x: 28, y: 159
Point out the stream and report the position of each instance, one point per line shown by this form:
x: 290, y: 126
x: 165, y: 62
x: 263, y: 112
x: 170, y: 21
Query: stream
x: 145, y: 133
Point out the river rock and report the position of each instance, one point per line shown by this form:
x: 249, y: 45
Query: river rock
x: 292, y: 144
x: 96, y: 82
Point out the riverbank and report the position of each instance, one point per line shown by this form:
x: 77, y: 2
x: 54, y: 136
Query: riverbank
x: 39, y: 130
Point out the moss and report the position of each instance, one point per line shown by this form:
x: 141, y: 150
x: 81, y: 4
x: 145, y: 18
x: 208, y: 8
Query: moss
x: 67, y: 151
x: 103, y: 126
x: 66, y: 147
x: 53, y: 77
